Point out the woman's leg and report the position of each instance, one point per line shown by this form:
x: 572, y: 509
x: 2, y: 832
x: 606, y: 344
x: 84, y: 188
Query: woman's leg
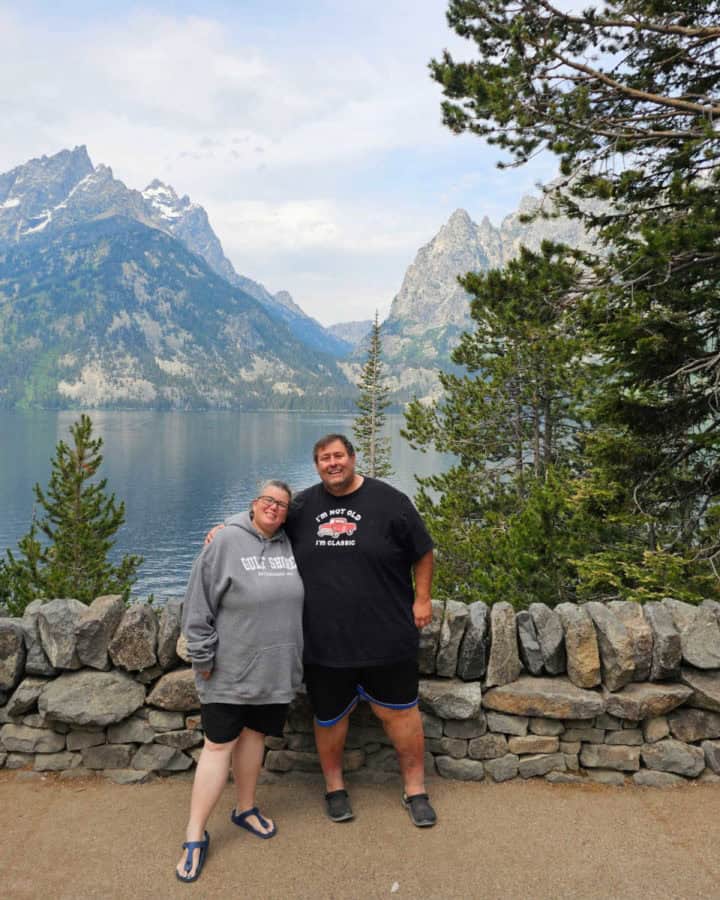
x: 210, y: 779
x: 247, y: 758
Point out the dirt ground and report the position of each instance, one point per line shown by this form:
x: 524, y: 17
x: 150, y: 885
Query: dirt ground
x: 92, y: 839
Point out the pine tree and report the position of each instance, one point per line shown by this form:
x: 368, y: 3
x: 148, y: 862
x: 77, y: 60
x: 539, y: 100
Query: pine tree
x: 374, y: 450
x: 627, y: 96
x: 79, y: 524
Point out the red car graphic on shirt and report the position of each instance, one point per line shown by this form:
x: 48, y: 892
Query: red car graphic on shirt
x: 336, y: 526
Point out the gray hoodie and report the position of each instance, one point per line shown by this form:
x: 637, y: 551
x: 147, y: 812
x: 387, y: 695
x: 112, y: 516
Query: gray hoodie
x: 242, y: 617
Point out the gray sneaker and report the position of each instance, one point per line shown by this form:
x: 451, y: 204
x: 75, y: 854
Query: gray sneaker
x: 337, y: 806
x: 420, y: 810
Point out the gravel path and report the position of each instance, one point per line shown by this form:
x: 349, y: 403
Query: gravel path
x: 92, y: 839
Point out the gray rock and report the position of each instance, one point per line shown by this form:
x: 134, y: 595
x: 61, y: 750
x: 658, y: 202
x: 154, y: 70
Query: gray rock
x: 466, y: 728
x: 449, y: 699
x: 91, y: 698
x: 683, y: 614
x: 451, y: 634
x: 429, y: 640
x: 460, y: 769
x: 475, y: 645
x: 128, y: 776
x: 608, y: 722
x: 617, y: 659
x: 570, y: 748
x: 641, y: 635
x: 161, y: 720
x: 565, y: 778
x: 56, y: 762
x: 674, y: 756
x: 533, y: 743
x: 572, y: 761
x: 655, y: 729
x: 504, y: 663
x: 534, y: 766
x: 176, y: 692
x: 585, y: 735
x: 131, y: 731
x: 705, y: 687
x: 503, y: 769
x: 455, y: 747
x: 19, y: 760
x: 551, y: 637
x: 135, y: 639
x: 108, y: 756
x: 181, y: 648
x: 180, y: 740
x: 12, y: 654
x: 581, y: 646
x: 708, y: 777
x: 645, y: 701
x: 711, y: 749
x: 667, y: 650
x: 433, y: 726
x: 700, y: 641
x: 694, y: 724
x: 546, y: 727
x: 489, y: 746
x: 96, y: 628
x: 148, y: 676
x: 58, y: 621
x: 650, y: 778
x: 36, y: 662
x: 501, y: 723
x: 3, y: 757
x: 25, y: 696
x: 530, y: 652
x: 156, y: 757
x: 603, y: 756
x: 79, y: 740
x: 21, y: 739
x: 627, y: 737
x: 606, y: 776
x: 168, y: 634
x: 552, y: 698
x: 37, y: 720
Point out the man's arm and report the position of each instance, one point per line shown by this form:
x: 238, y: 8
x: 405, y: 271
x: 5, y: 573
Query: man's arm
x: 423, y: 572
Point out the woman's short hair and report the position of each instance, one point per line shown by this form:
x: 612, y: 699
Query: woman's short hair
x: 276, y: 483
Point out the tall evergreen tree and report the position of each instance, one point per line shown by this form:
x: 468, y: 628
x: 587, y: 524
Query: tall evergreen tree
x: 501, y: 516
x: 79, y: 524
x: 372, y: 447
x: 627, y: 95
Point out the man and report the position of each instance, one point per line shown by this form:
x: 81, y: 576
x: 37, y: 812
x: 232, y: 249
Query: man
x: 358, y: 542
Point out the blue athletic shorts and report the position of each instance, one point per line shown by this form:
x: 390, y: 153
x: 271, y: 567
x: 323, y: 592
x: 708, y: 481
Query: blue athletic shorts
x: 334, y: 693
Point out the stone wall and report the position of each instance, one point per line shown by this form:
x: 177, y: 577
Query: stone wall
x: 591, y: 693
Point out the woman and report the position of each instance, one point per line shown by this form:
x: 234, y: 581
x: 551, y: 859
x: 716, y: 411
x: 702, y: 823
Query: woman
x: 243, y: 622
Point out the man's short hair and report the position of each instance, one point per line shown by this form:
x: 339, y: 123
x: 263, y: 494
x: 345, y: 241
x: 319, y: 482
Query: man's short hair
x: 330, y: 439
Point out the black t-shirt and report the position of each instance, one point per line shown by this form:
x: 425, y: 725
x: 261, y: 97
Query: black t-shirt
x: 355, y: 555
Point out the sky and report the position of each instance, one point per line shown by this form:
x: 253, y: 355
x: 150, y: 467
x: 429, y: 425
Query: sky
x: 309, y: 130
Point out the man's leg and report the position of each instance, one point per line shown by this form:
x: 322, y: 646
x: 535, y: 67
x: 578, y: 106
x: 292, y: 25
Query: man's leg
x: 330, y: 741
x: 404, y: 728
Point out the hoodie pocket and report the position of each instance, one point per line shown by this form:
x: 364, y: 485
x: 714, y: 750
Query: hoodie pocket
x: 273, y: 669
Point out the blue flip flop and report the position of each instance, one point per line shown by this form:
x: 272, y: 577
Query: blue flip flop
x: 241, y: 819
x: 191, y: 846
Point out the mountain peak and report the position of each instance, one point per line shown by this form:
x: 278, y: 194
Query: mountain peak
x: 460, y: 217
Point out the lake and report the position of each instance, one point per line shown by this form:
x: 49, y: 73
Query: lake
x: 178, y: 473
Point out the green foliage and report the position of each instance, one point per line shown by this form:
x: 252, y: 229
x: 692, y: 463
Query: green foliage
x: 627, y: 98
x: 373, y: 450
x: 79, y: 523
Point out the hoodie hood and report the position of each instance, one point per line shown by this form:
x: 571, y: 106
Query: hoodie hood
x: 243, y: 520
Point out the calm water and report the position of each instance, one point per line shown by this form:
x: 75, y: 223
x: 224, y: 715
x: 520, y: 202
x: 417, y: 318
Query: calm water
x: 178, y: 473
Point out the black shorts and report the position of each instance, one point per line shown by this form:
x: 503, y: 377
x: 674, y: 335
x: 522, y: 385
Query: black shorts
x: 223, y: 722
x: 334, y: 693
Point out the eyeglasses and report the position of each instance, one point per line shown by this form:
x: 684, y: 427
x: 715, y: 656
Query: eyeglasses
x: 271, y: 501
